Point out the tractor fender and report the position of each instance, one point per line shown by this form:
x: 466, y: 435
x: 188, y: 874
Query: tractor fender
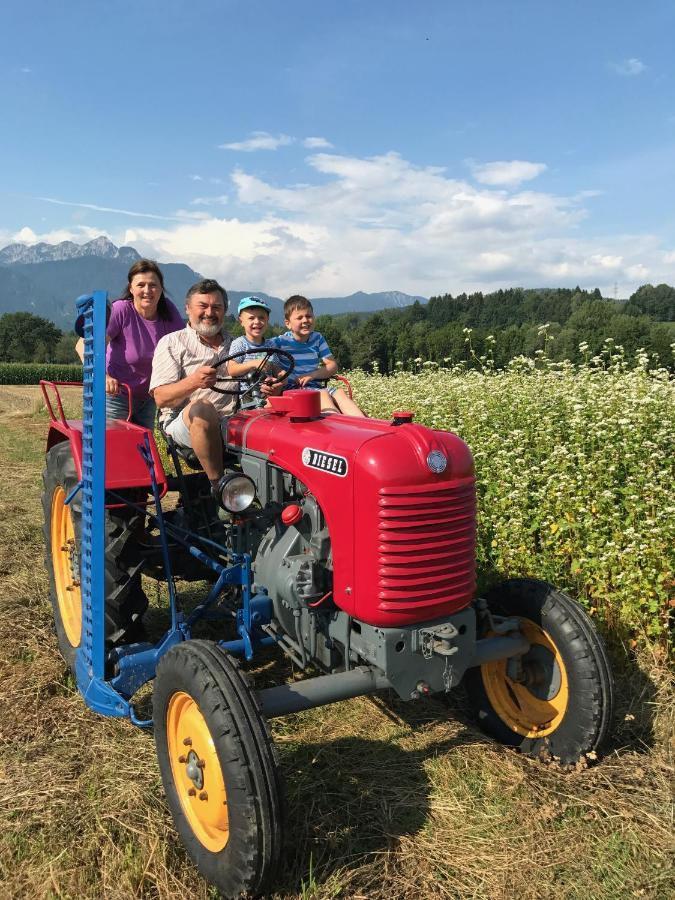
x: 124, y: 465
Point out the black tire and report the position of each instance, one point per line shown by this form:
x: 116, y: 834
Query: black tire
x: 235, y: 839
x: 564, y: 708
x: 125, y: 600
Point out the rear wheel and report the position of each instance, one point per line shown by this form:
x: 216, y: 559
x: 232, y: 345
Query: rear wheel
x: 557, y: 699
x: 218, y: 767
x: 125, y: 600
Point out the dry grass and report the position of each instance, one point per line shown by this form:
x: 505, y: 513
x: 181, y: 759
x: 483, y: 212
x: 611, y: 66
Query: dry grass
x: 385, y: 800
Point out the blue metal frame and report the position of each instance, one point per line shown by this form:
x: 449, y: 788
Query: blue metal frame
x: 136, y: 664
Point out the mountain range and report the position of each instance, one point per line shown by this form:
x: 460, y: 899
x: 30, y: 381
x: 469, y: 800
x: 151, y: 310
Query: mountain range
x: 44, y: 279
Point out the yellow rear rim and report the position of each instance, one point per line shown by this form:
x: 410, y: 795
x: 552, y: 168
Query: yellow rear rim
x: 196, y: 772
x: 66, y: 568
x: 535, y: 704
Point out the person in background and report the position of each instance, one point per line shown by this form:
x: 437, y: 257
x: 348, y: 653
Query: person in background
x: 137, y: 322
x: 314, y: 363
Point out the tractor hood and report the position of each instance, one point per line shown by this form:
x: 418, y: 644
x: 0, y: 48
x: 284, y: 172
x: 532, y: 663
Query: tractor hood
x: 398, y: 498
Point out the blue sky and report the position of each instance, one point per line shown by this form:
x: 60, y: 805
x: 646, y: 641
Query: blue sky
x: 327, y: 147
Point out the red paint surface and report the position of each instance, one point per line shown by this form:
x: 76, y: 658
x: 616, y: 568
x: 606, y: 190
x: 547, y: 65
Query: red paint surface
x: 124, y: 466
x: 403, y: 538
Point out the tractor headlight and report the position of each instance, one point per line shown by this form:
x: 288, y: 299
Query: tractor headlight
x: 236, y: 492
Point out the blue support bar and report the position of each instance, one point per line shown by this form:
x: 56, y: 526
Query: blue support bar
x: 90, y: 658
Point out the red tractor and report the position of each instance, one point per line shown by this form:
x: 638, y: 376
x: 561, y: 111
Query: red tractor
x: 349, y: 544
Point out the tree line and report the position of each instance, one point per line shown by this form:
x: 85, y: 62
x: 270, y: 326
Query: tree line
x: 505, y: 324
x: 447, y: 330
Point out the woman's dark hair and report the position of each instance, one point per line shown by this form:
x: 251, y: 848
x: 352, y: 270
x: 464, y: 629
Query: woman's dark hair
x: 140, y: 267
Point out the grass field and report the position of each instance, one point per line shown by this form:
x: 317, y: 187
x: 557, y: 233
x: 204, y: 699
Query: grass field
x: 385, y: 800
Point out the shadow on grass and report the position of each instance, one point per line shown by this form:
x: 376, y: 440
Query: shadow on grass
x: 348, y: 799
x: 637, y: 701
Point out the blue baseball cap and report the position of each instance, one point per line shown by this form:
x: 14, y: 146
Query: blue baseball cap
x: 247, y: 302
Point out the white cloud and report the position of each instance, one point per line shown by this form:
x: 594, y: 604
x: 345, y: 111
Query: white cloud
x: 317, y: 143
x: 381, y: 223
x: 605, y: 261
x: 631, y: 66
x: 509, y: 173
x: 79, y: 235
x: 377, y: 222
x: 195, y: 177
x: 259, y: 140
x: 25, y: 70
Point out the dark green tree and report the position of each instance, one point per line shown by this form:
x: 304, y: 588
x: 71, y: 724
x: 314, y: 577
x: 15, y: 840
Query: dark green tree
x: 24, y: 336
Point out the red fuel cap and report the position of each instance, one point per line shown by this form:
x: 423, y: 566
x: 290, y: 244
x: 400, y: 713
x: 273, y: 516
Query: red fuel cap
x: 402, y: 416
x: 291, y: 514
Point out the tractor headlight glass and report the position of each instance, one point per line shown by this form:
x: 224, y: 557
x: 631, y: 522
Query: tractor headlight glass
x: 237, y: 492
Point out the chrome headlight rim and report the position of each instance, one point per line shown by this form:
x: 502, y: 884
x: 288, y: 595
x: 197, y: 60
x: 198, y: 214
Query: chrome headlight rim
x: 236, y: 492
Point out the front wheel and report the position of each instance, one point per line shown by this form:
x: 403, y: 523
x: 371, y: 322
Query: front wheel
x: 557, y: 699
x: 218, y: 767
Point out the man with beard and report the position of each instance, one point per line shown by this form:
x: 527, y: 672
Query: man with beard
x: 184, y: 373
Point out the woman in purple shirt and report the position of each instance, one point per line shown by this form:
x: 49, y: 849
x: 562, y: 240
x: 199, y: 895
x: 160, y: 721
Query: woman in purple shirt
x: 137, y: 321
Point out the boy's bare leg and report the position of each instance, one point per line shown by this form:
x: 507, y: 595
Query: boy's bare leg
x: 327, y: 403
x: 203, y: 422
x: 346, y: 406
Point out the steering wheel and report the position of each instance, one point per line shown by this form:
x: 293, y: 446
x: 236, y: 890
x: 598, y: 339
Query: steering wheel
x: 246, y: 384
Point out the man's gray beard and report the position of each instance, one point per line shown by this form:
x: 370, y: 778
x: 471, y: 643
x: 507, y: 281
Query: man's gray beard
x: 207, y: 330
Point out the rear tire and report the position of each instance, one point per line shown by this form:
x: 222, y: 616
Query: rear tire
x: 218, y: 767
x: 125, y: 599
x: 562, y: 705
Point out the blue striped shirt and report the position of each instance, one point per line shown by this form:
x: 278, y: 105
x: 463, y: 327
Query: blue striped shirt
x: 307, y: 354
x: 247, y: 349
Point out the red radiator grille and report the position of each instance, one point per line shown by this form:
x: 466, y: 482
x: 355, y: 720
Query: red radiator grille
x: 427, y: 542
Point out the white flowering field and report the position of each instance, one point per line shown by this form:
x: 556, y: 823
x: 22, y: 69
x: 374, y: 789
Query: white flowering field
x: 575, y: 470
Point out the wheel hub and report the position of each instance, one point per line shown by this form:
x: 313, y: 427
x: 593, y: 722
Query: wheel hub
x: 541, y: 672
x: 194, y: 769
x: 74, y: 560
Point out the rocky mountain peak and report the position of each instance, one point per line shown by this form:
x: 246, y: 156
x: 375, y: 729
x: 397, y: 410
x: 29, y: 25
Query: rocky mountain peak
x: 101, y: 247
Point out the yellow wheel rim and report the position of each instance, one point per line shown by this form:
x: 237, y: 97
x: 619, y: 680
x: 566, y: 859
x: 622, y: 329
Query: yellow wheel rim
x: 196, y: 770
x: 66, y: 568
x: 535, y: 703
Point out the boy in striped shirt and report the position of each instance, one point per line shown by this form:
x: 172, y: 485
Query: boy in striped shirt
x: 314, y: 363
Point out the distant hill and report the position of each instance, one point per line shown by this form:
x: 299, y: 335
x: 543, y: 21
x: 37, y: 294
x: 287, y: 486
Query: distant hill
x: 45, y: 279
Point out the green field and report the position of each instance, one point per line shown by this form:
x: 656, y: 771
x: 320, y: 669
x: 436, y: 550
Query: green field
x: 385, y: 799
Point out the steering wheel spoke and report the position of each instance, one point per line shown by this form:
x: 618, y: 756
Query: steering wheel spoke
x: 246, y: 384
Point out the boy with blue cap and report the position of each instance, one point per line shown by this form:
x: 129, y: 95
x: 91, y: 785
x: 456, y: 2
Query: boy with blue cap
x: 254, y: 316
